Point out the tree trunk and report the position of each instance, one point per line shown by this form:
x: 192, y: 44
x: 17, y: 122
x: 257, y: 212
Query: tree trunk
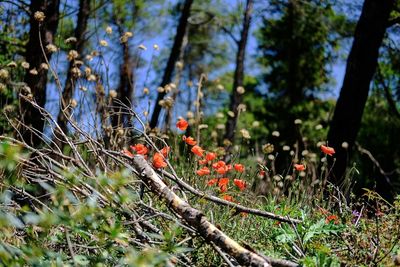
x: 361, y: 65
x: 173, y: 57
x: 237, y: 97
x: 83, y: 17
x: 125, y: 89
x: 35, y: 57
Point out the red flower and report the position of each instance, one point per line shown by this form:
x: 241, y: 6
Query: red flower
x: 261, y: 173
x: 165, y: 151
x: 212, y: 182
x: 140, y: 149
x: 203, y: 171
x: 211, y: 156
x: 223, y: 188
x: 182, y: 124
x: 203, y: 161
x: 127, y: 153
x: 197, y: 150
x: 189, y: 140
x: 218, y: 164
x: 228, y: 198
x: 158, y: 161
x: 332, y: 218
x: 223, y: 182
x: 239, y: 167
x: 299, y: 167
x: 240, y: 184
x: 328, y: 150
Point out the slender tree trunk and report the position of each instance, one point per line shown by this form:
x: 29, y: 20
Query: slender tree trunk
x: 83, y: 17
x: 35, y: 57
x: 237, y: 97
x: 361, y: 65
x: 125, y: 89
x: 173, y: 57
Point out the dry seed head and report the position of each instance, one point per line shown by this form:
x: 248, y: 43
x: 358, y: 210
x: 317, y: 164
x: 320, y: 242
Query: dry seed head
x: 146, y: 91
x: 4, y: 74
x: 70, y: 40
x: 73, y: 103
x: 160, y: 89
x: 219, y: 115
x: 156, y: 47
x: 25, y: 65
x: 72, y: 54
x: 245, y: 134
x: 255, y: 124
x: 33, y: 71
x: 142, y: 47
x: 3, y: 87
x: 190, y: 115
x: 298, y: 121
x: 44, y: 66
x: 241, y: 108
x: 109, y: 30
x: 12, y: 64
x: 276, y: 133
x: 91, y: 78
x: 76, y: 72
x: 113, y: 94
x: 83, y: 88
x: 268, y: 148
x: 318, y: 127
x: 51, y: 48
x: 231, y: 114
x: 103, y: 43
x: 88, y: 71
x: 240, y: 90
x: 220, y: 87
x: 39, y: 16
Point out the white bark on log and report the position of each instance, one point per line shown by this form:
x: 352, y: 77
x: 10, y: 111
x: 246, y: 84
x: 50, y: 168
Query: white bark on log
x: 198, y: 220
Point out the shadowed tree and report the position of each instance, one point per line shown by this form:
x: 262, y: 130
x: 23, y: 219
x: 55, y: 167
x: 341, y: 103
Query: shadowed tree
x: 78, y: 46
x: 36, y: 54
x: 361, y: 65
x: 173, y: 58
x: 237, y: 89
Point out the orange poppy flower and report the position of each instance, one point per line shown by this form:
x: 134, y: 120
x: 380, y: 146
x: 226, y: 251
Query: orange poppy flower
x: 182, y: 124
x: 227, y: 198
x: 127, y: 153
x: 140, y: 149
x: 211, y: 156
x: 203, y: 161
x: 240, y: 184
x: 332, y: 218
x: 328, y: 150
x: 223, y: 188
x: 189, y: 140
x: 239, y: 167
x: 212, y: 182
x: 299, y: 167
x: 165, y: 151
x: 158, y: 161
x: 223, y: 182
x: 219, y: 164
x: 197, y: 150
x: 203, y: 171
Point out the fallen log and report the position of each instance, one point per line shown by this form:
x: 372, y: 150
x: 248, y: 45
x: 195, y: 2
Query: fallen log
x: 198, y: 220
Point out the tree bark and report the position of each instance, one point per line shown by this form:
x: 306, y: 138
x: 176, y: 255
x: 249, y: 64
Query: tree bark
x: 35, y: 57
x: 361, y: 66
x: 83, y: 17
x: 125, y: 89
x: 173, y: 57
x: 237, y: 97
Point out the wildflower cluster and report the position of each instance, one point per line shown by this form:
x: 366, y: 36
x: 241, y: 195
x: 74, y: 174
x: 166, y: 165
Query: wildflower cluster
x: 218, y: 171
